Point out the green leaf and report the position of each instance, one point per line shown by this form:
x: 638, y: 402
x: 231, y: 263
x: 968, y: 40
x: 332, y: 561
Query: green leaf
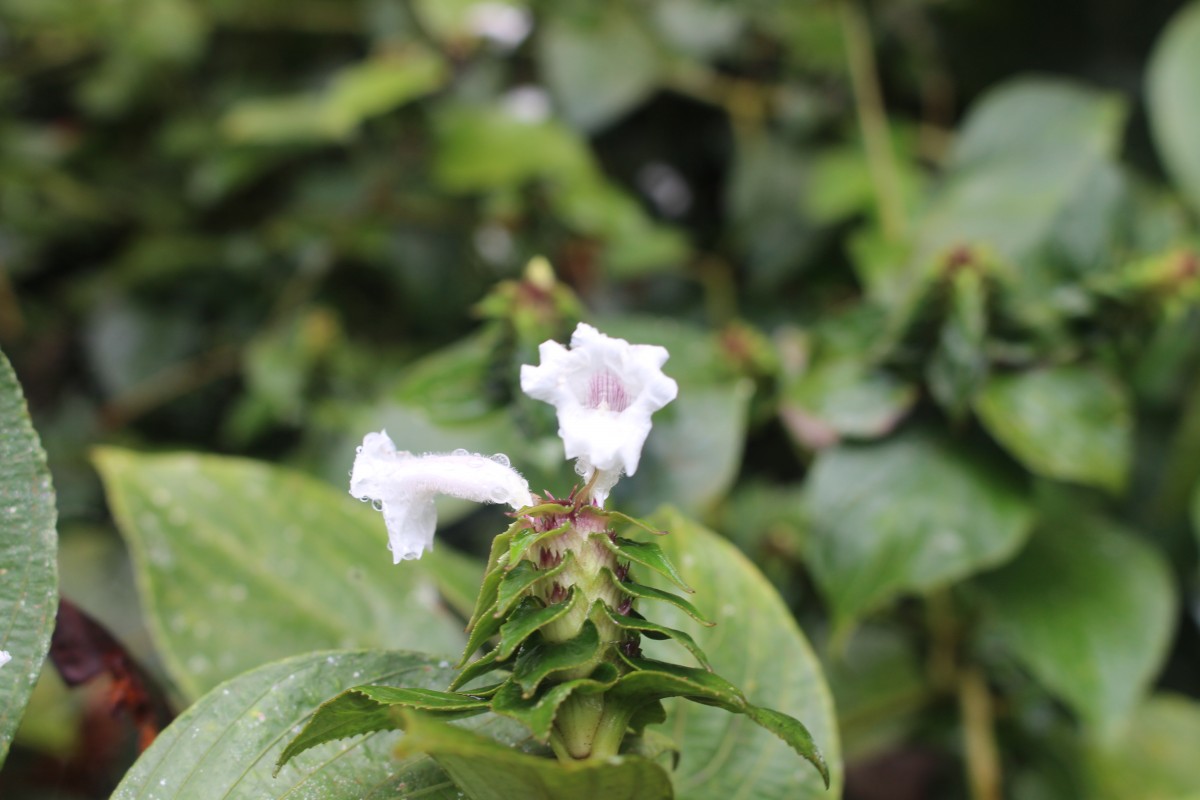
x: 481, y: 666
x: 656, y: 680
x: 794, y: 733
x: 527, y: 538
x: 1155, y: 756
x: 367, y: 709
x: 590, y: 86
x: 543, y: 658
x: 520, y: 578
x: 1089, y: 609
x: 642, y: 592
x: 1071, y: 423
x: 1023, y: 152
x: 356, y: 94
x: 757, y: 643
x: 528, y: 619
x: 538, y: 712
x: 28, y: 545
x: 487, y: 770
x: 844, y: 397
x: 1171, y: 99
x: 239, y: 563
x: 912, y: 513
x: 648, y: 554
x: 226, y: 744
x: 656, y: 631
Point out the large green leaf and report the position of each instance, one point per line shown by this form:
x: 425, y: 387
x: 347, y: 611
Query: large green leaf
x: 589, y: 84
x: 1089, y: 609
x: 488, y: 770
x: 227, y: 743
x: 757, y: 645
x: 1172, y: 100
x: 913, y: 513
x: 1072, y: 423
x: 1155, y: 756
x: 28, y: 543
x: 1024, y: 152
x: 239, y: 563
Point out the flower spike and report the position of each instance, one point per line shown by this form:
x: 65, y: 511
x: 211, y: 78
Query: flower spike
x: 604, y: 390
x: 403, y: 485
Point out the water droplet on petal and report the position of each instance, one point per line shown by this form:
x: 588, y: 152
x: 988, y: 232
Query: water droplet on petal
x: 502, y: 460
x: 377, y: 505
x: 460, y: 452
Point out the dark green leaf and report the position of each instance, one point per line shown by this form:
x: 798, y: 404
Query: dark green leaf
x: 28, y: 545
x: 631, y: 623
x: 1089, y: 609
x: 1072, y: 423
x: 366, y: 709
x: 640, y: 591
x: 537, y: 712
x: 529, y: 618
x: 656, y: 680
x: 520, y: 578
x: 543, y: 658
x: 792, y: 732
x: 1154, y: 757
x: 648, y: 554
x: 913, y: 513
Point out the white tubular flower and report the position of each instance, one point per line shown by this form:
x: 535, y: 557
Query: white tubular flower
x: 5, y: 657
x: 403, y: 486
x: 605, y: 390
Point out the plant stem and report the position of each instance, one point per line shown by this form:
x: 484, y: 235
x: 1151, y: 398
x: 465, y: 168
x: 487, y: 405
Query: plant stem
x: 872, y: 119
x: 983, y: 757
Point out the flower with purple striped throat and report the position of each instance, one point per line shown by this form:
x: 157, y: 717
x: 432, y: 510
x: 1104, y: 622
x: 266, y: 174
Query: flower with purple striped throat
x: 604, y: 390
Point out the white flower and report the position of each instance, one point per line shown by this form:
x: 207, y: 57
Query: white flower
x: 403, y: 486
x: 5, y: 657
x: 605, y: 390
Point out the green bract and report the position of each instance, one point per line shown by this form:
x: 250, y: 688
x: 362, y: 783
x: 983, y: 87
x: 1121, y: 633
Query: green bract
x: 559, y: 595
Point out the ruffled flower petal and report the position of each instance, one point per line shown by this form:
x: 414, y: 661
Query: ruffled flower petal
x: 403, y: 486
x: 605, y: 391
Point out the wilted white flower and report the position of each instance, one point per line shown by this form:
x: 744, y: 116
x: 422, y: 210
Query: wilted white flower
x: 605, y: 390
x: 5, y: 657
x: 403, y: 485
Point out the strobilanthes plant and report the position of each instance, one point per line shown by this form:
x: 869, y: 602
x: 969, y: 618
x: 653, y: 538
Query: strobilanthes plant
x: 561, y: 603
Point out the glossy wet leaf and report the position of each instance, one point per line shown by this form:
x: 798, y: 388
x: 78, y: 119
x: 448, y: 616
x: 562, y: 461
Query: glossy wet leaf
x: 908, y: 514
x: 28, y: 546
x: 239, y: 563
x: 648, y: 555
x: 227, y: 743
x: 757, y: 645
x: 1089, y: 609
x: 487, y: 770
x: 530, y: 617
x: 1071, y: 423
x: 1171, y: 99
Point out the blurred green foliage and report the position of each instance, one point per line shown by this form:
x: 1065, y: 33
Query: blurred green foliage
x: 928, y: 272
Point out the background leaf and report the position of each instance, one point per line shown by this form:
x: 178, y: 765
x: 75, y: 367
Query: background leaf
x: 227, y: 743
x: 1089, y: 609
x: 911, y: 513
x: 757, y: 645
x: 1155, y: 756
x: 239, y: 563
x: 28, y: 544
x: 1172, y: 102
x: 1072, y: 423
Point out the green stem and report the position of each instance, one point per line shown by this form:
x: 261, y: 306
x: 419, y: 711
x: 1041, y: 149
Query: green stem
x: 979, y: 733
x: 577, y: 722
x: 872, y: 118
x: 610, y: 733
